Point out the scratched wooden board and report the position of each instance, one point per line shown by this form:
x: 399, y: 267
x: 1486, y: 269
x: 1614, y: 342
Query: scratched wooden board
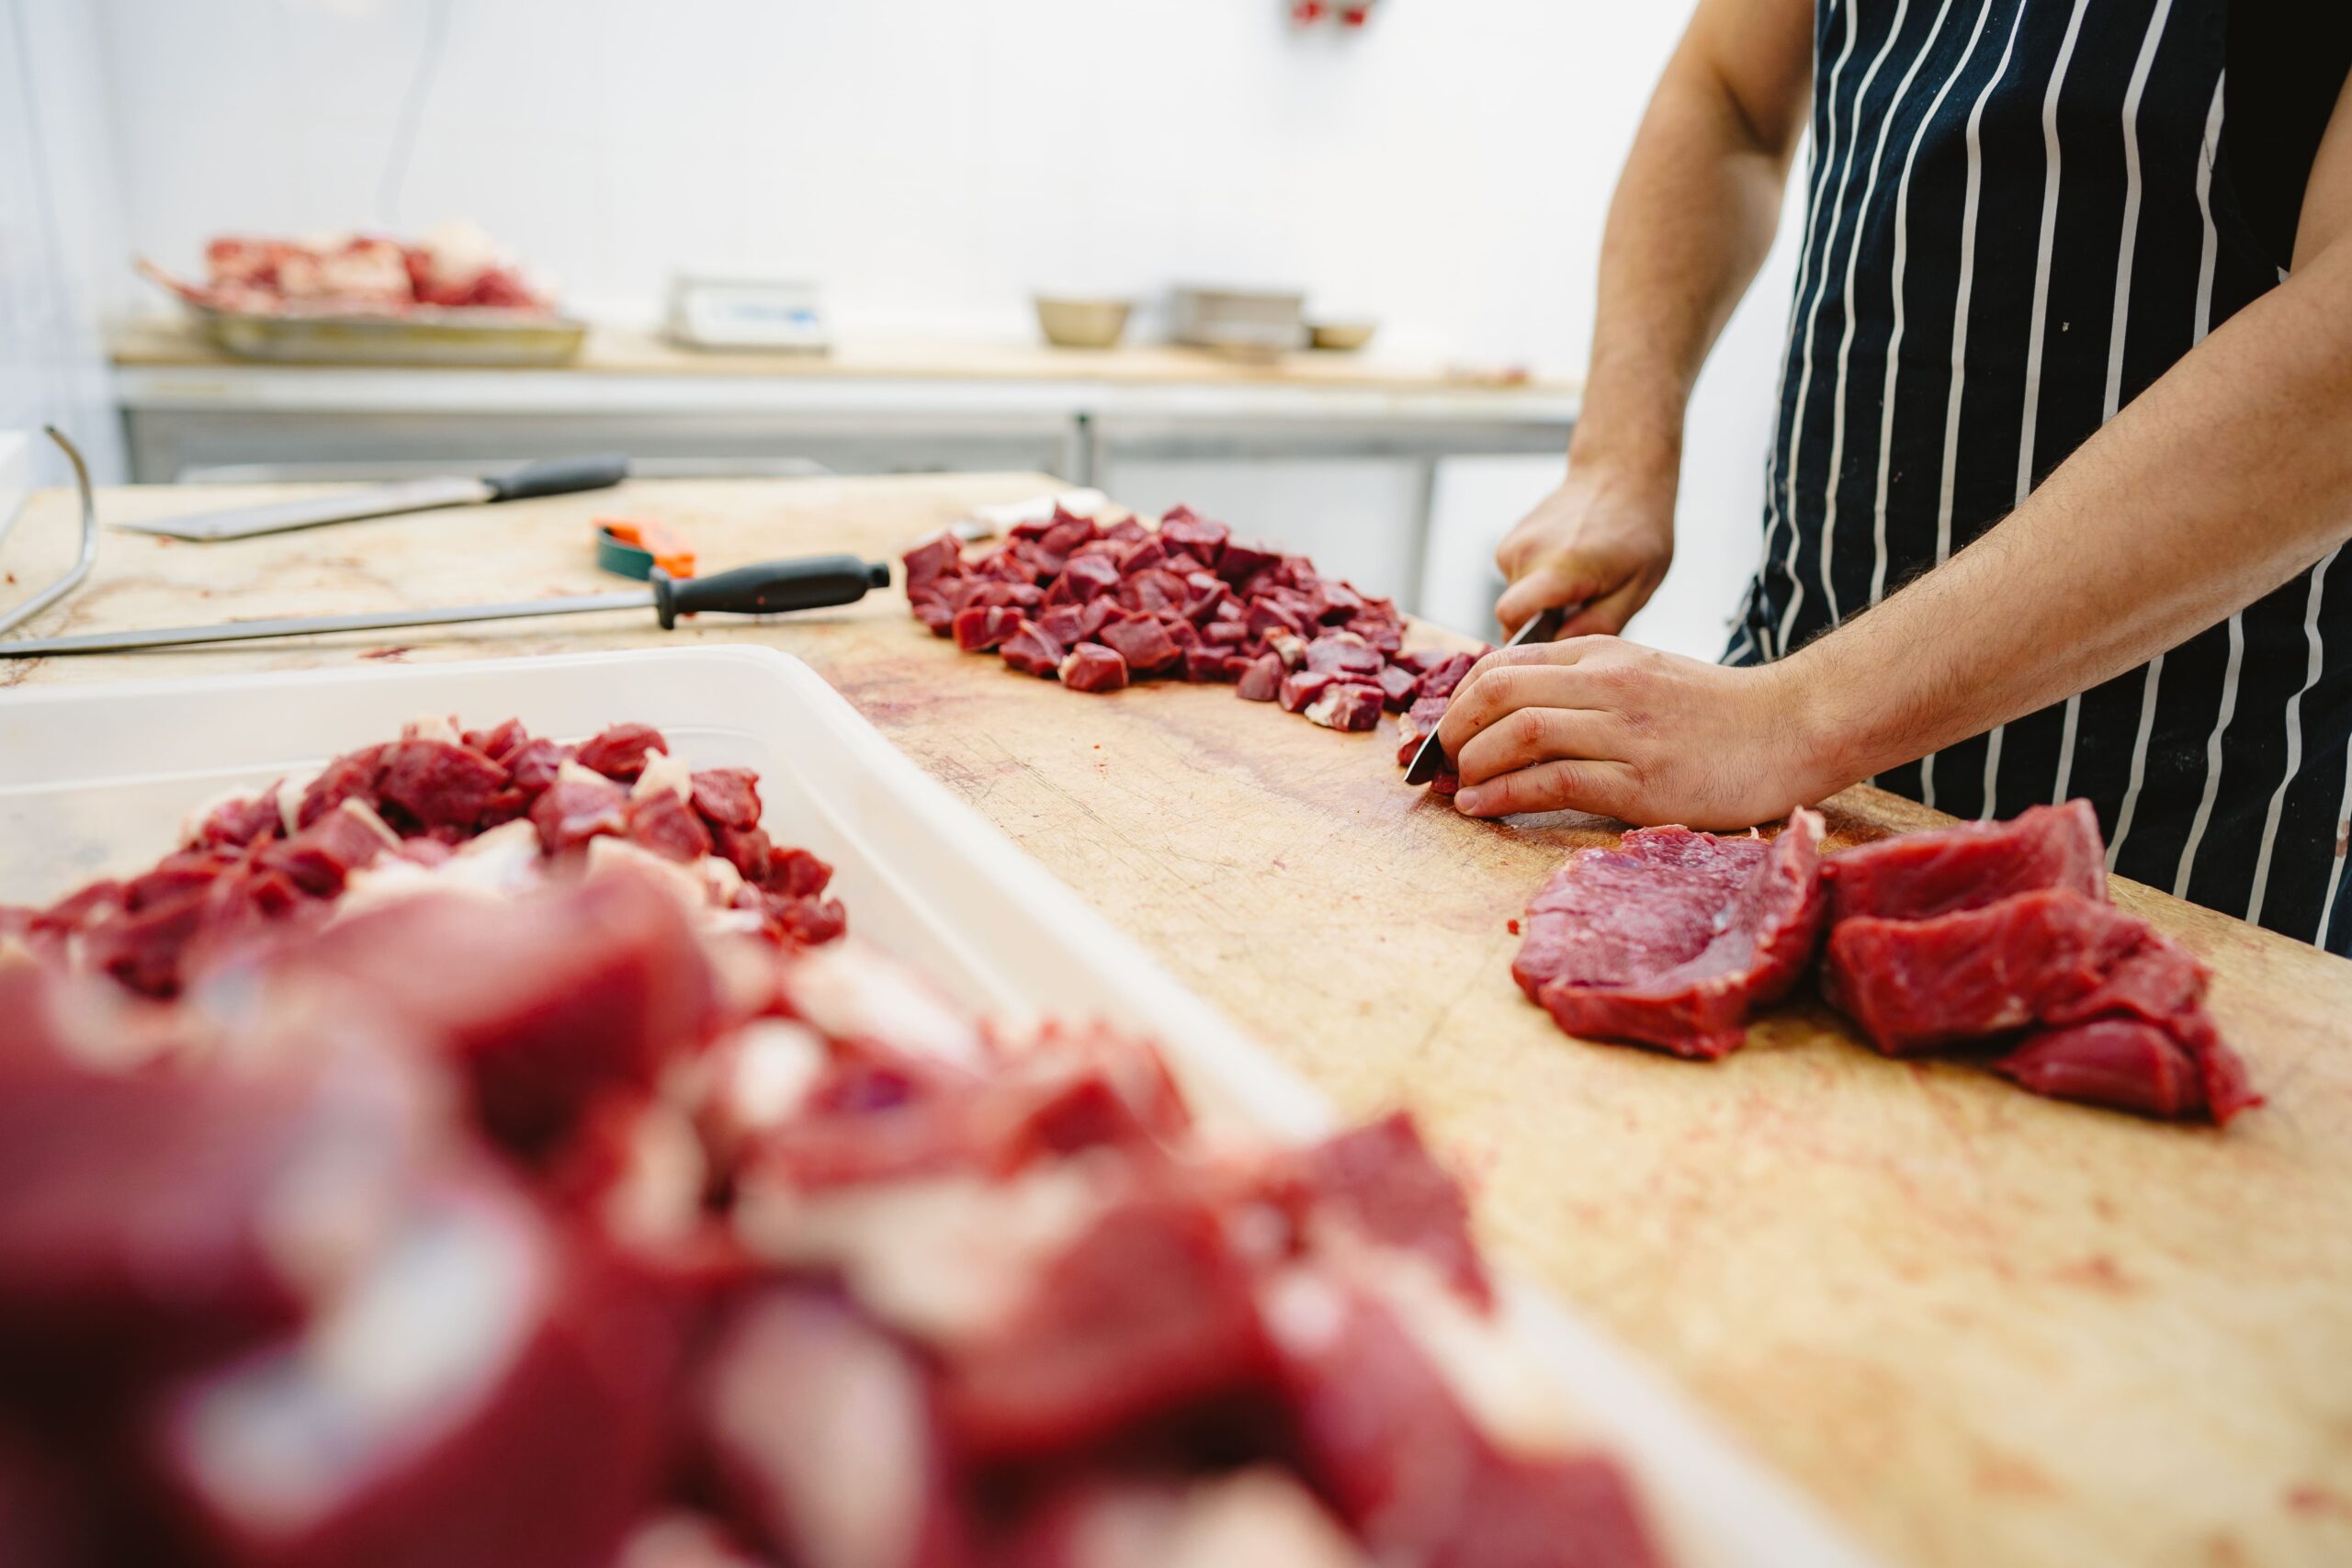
x: 1981, y: 1327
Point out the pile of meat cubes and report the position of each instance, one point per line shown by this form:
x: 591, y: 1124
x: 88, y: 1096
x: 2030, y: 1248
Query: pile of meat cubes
x: 1990, y: 940
x: 575, y: 1219
x: 495, y: 807
x: 1099, y: 607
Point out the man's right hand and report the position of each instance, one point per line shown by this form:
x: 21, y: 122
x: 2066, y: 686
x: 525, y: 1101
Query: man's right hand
x: 1599, y: 540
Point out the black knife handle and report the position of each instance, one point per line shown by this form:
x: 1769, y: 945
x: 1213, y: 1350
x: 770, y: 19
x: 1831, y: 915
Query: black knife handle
x: 559, y: 475
x: 809, y: 582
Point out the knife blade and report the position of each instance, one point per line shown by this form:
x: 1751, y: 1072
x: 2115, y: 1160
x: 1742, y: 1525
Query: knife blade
x: 769, y: 588
x: 557, y: 476
x: 1429, y: 760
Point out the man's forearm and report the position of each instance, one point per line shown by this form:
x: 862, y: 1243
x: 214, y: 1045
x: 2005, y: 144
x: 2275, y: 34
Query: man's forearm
x: 1690, y: 222
x: 2226, y: 477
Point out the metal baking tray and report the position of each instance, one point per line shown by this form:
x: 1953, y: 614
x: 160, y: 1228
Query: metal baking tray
x: 474, y: 335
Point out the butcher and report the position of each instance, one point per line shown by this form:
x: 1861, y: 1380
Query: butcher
x: 2061, y: 479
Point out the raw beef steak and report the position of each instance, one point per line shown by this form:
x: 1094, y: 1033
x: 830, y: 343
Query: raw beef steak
x: 1672, y: 938
x: 1914, y: 875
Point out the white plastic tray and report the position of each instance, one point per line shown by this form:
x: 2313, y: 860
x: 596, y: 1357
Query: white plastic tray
x: 95, y: 780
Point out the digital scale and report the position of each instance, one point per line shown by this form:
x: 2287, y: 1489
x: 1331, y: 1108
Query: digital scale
x: 745, y: 313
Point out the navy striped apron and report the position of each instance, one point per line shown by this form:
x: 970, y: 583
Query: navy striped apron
x: 2021, y: 214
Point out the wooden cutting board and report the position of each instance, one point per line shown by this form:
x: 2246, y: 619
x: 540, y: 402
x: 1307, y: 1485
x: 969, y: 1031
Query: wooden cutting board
x: 1981, y: 1327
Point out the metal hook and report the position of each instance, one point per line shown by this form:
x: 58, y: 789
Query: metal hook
x: 88, y: 558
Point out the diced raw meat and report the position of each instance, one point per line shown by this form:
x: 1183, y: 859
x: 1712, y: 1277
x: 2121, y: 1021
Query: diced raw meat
x: 544, y: 1003
x: 239, y: 820
x: 1063, y: 623
x: 1005, y: 595
x: 619, y: 752
x: 1346, y: 704
x: 1092, y: 667
x: 748, y: 850
x: 1143, y: 642
x: 727, y: 797
x: 578, y: 806
x: 322, y: 856
x: 1441, y: 678
x: 1914, y: 875
x: 1344, y: 653
x: 1093, y: 617
x: 1149, y: 1312
x: 1182, y: 529
x: 1302, y: 686
x: 797, y: 874
x: 983, y: 628
x: 1089, y: 577
x: 1399, y: 687
x: 939, y: 556
x: 1263, y: 680
x: 1033, y: 650
x: 523, y: 1428
x: 1672, y: 939
x: 667, y: 826
x: 824, y: 1442
x: 935, y: 614
x: 349, y: 777
x: 1237, y: 562
x: 1379, y: 1181
x: 535, y: 763
x: 1204, y: 664
x: 1387, y: 1442
x: 1153, y: 589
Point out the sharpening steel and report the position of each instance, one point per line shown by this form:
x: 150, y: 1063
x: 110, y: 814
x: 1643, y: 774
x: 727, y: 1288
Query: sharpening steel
x: 557, y: 476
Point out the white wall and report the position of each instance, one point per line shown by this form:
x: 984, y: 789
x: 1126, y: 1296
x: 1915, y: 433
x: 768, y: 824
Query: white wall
x: 932, y: 161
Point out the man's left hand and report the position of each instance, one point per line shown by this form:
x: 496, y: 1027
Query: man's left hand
x: 1599, y: 725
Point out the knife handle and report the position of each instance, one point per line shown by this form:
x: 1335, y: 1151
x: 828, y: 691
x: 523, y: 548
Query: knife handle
x: 808, y: 582
x: 559, y: 475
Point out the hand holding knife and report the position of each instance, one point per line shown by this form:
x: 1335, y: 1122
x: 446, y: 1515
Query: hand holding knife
x: 1542, y: 626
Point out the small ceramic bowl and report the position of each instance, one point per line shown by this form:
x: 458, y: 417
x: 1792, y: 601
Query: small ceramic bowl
x: 1082, y: 324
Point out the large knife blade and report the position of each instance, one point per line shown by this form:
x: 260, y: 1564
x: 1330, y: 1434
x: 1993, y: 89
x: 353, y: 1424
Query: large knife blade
x: 770, y: 588
x: 1429, y: 760
x: 559, y: 476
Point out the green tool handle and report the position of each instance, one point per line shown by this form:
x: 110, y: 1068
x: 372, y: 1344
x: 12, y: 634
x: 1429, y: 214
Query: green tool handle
x: 809, y: 582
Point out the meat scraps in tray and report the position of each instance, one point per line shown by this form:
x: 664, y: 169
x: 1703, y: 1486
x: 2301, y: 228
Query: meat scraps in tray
x: 437, y: 807
x: 1994, y: 940
x: 526, y: 1205
x: 1100, y: 607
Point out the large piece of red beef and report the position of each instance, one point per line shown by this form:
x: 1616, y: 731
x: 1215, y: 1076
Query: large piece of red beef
x: 2000, y: 934
x: 1674, y: 937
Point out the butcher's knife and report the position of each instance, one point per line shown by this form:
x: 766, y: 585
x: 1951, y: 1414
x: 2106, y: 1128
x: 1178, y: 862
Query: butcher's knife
x: 556, y: 476
x: 809, y: 582
x: 1542, y: 626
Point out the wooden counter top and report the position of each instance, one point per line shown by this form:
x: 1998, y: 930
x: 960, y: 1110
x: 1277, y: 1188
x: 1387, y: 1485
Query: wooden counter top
x: 1980, y: 1327
x: 162, y: 343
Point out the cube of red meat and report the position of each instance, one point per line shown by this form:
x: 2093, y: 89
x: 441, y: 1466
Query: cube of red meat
x: 1237, y: 665
x: 535, y: 763
x: 1206, y: 597
x: 1066, y: 534
x: 1399, y: 687
x: 1237, y: 563
x: 1233, y: 632
x: 1005, y: 565
x: 1333, y: 602
x: 981, y: 628
x: 545, y: 1004
x: 240, y: 821
x: 1004, y: 595
x: 527, y: 1430
x: 794, y: 924
x: 1182, y: 530
x: 619, y: 752
x: 1092, y: 667
x: 501, y: 742
x: 935, y: 614
x: 1263, y: 681
x: 1151, y: 591
x: 1346, y: 704
x: 1915, y: 875
x: 1204, y: 665
x: 1379, y: 1181
x: 1149, y: 1312
x: 1033, y: 651
x: 1093, y: 617
x: 824, y: 1440
x: 349, y: 777
x: 1141, y: 556
x: 2125, y: 1063
x: 1143, y: 642
x: 1267, y: 617
x: 939, y: 556
x: 1344, y: 653
x: 438, y: 784
x: 667, y: 826
x: 1385, y: 635
x: 1443, y: 677
x: 1089, y: 576
x: 727, y: 797
x: 1063, y: 624
x: 1302, y: 686
x: 322, y: 857
x: 572, y: 810
x: 797, y: 874
x: 748, y: 850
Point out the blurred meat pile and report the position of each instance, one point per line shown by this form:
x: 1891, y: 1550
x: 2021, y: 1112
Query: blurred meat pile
x: 561, y: 1220
x: 456, y: 267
